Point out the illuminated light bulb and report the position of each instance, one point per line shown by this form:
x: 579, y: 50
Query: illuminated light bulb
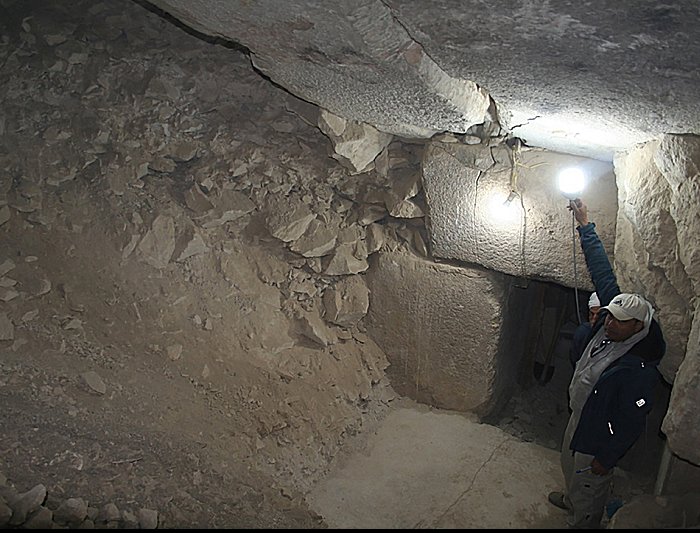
x: 571, y: 182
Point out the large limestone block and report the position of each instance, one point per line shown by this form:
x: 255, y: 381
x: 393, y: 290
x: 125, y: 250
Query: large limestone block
x: 656, y: 241
x: 351, y: 58
x: 658, y: 254
x: 443, y: 329
x: 682, y: 422
x: 466, y: 187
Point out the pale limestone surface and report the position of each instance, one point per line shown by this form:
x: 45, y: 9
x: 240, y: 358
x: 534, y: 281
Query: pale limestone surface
x: 658, y: 254
x: 445, y: 332
x: 588, y: 78
x: 466, y: 186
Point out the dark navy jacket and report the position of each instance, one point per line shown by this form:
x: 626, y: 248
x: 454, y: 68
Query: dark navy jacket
x: 615, y: 413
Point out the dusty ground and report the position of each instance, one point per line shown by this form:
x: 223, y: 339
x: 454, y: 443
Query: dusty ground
x: 156, y: 352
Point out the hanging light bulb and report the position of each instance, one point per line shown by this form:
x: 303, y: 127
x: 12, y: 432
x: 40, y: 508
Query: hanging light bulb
x: 571, y: 182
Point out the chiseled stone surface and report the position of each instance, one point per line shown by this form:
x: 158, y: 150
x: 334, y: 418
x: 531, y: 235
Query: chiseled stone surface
x: 444, y: 330
x: 466, y: 185
x: 587, y: 78
x: 658, y: 254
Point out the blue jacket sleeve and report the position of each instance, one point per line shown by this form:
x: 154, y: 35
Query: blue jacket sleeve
x: 598, y: 264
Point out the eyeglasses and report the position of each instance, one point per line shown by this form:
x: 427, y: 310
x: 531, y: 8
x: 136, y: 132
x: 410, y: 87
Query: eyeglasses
x: 598, y: 349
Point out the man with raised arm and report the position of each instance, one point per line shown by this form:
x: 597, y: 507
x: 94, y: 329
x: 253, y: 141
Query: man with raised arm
x: 612, y: 388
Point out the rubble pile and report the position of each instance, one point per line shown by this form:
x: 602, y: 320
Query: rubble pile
x: 181, y: 276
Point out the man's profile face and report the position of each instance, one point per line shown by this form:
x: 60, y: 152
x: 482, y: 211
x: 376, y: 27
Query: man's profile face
x: 593, y: 314
x: 621, y: 330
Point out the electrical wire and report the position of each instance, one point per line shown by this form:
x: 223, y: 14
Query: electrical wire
x: 573, y: 249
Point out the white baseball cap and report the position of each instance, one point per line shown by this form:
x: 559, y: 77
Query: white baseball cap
x: 628, y: 306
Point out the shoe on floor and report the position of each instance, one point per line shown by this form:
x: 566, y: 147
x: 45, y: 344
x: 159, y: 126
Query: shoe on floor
x: 558, y: 500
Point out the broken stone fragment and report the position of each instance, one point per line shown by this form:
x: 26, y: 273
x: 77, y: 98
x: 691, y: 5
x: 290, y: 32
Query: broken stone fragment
x: 131, y: 245
x: 45, y: 218
x: 183, y: 151
x: 162, y: 164
x: 26, y: 503
x: 6, y: 266
x: 351, y: 234
x: 307, y: 287
x: 315, y: 264
x: 347, y: 302
x: 370, y: 213
x: 344, y: 261
x: 7, y: 294
x: 158, y: 245
x: 7, y: 329
x: 94, y: 381
x: 30, y: 315
x: 118, y: 178
x: 141, y: 170
x: 108, y: 513
x: 419, y: 244
x: 71, y: 512
x: 44, y: 287
x: 287, y: 219
x: 189, y: 243
x: 74, y: 323
x: 162, y: 88
x: 381, y: 163
x: 148, y: 518
x: 40, y: 519
x: 402, y: 208
x: 174, y: 352
x: 406, y: 183
x: 356, y: 144
x: 313, y: 328
x: 317, y: 241
x: 4, y: 214
x: 231, y: 205
x: 55, y: 39
x: 197, y: 201
x: 375, y: 238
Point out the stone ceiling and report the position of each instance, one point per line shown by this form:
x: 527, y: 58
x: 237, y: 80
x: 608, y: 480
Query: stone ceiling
x: 587, y: 78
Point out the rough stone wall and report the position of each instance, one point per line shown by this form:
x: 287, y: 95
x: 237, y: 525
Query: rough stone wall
x: 657, y: 254
x: 174, y: 318
x: 466, y: 184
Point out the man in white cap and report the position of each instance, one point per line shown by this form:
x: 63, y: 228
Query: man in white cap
x: 593, y: 307
x: 612, y: 388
